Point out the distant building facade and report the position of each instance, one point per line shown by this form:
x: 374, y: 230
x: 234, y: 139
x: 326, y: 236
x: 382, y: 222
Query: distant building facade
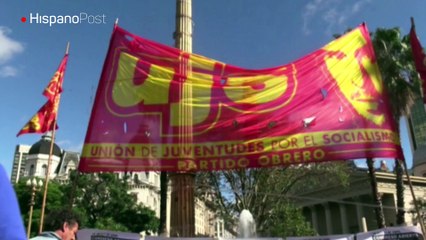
x: 19, y: 161
x: 146, y: 186
x: 205, y: 220
x: 417, y: 127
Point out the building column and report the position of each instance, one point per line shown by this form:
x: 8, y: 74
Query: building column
x: 220, y: 228
x: 217, y: 229
x: 359, y: 216
x: 328, y: 218
x: 314, y: 218
x: 343, y: 218
x: 18, y: 172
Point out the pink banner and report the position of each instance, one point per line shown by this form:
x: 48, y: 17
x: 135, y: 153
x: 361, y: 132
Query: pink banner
x: 158, y: 108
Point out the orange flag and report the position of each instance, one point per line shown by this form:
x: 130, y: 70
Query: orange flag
x: 44, y: 119
x: 55, y: 85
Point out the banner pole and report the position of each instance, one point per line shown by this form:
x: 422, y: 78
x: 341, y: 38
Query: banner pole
x: 46, y: 180
x: 49, y: 161
x: 416, y: 206
x: 67, y: 49
x: 116, y: 23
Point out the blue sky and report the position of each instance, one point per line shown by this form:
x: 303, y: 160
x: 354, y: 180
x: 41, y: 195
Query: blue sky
x: 246, y: 33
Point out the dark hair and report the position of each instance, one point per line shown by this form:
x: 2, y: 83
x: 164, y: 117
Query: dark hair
x: 56, y: 219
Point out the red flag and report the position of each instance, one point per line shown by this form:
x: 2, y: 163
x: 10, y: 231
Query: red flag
x: 419, y: 58
x: 55, y: 85
x: 43, y: 120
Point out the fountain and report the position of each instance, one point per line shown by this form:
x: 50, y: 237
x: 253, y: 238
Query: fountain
x: 247, y: 226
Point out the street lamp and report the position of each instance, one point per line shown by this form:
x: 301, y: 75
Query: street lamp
x: 35, y: 186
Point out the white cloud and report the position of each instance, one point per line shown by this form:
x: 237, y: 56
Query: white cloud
x: 311, y: 10
x: 358, y: 5
x: 8, y: 49
x: 332, y: 14
x: 8, y: 71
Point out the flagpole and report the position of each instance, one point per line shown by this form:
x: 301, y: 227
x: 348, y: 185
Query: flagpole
x: 416, y: 206
x: 67, y: 49
x: 46, y: 179
x: 49, y: 162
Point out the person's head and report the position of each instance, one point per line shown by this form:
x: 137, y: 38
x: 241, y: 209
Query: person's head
x: 64, y: 223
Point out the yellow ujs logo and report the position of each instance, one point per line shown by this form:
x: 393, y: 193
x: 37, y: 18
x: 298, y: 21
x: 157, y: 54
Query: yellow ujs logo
x: 200, y: 94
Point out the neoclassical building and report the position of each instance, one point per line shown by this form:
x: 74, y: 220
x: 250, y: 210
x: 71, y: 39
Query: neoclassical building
x: 336, y: 210
x: 32, y: 161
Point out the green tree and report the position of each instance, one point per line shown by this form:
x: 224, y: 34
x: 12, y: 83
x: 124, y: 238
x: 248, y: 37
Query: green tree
x: 110, y: 224
x: 288, y: 221
x: 265, y: 193
x: 53, y: 201
x: 139, y: 217
x: 402, y: 84
x: 101, y: 200
x: 105, y: 201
